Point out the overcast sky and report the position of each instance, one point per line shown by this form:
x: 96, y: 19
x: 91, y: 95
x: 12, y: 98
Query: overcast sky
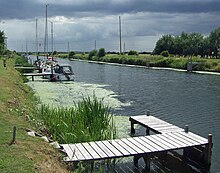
x: 81, y: 22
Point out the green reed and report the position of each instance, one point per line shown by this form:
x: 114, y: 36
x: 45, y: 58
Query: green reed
x: 87, y: 120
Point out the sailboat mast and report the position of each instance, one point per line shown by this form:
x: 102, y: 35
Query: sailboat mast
x: 36, y: 40
x: 51, y: 37
x: 46, y: 35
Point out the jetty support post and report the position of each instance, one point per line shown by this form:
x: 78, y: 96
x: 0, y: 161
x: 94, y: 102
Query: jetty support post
x: 147, y: 159
x: 209, y: 151
x: 147, y: 129
x: 132, y: 125
x: 186, y: 151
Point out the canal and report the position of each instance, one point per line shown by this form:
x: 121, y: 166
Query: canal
x: 177, y: 97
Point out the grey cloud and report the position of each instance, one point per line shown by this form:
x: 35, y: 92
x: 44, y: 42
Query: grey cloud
x: 23, y: 9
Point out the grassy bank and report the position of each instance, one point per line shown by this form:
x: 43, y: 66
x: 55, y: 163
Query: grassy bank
x: 202, y: 64
x: 28, y: 154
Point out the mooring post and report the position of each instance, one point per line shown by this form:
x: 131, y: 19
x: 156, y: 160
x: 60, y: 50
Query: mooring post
x: 147, y: 129
x: 14, y: 136
x: 33, y: 78
x: 186, y: 129
x: 209, y: 151
x: 186, y: 150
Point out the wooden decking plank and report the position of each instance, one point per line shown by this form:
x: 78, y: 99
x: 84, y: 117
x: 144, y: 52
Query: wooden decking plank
x: 125, y: 146
x: 152, y: 119
x: 161, y: 125
x: 112, y: 148
x: 91, y: 151
x: 198, y: 138
x: 181, y: 144
x: 171, y: 143
x: 71, y: 155
x: 105, y: 149
x: 144, y: 142
x: 160, y: 142
x: 134, y: 147
x: 119, y: 147
x: 138, y: 117
x: 173, y: 129
x: 98, y: 150
x: 78, y: 154
x: 152, y: 143
x: 139, y: 145
x: 188, y: 143
x: 189, y: 137
x: 84, y: 152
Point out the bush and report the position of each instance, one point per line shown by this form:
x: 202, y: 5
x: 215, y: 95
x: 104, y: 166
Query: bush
x: 132, y: 52
x: 165, y: 53
x: 71, y: 54
x: 92, y: 53
x: 101, y: 52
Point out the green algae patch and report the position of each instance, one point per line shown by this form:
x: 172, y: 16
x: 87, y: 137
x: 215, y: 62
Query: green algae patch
x: 65, y: 94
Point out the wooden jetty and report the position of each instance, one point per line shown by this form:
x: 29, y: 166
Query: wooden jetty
x: 35, y: 74
x: 27, y: 68
x: 168, y: 137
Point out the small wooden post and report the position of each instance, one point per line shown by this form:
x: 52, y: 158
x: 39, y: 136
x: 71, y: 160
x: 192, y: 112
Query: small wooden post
x: 148, y: 113
x: 33, y: 78
x: 209, y: 151
x: 186, y: 129
x: 147, y: 131
x: 14, y: 136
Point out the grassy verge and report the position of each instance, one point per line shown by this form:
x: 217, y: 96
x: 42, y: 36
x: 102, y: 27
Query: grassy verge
x: 28, y: 154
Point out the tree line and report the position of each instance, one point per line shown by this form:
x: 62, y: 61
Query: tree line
x: 188, y: 44
x: 2, y: 42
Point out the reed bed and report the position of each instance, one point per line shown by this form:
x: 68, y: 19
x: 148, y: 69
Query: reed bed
x: 87, y: 120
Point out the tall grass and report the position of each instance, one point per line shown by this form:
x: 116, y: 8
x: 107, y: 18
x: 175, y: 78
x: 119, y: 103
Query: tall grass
x: 88, y: 120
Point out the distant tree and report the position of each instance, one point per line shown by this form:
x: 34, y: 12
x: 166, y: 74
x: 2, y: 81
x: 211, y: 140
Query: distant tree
x: 71, y: 54
x: 184, y: 44
x: 54, y: 52
x: 92, y: 53
x: 2, y: 41
x: 165, y: 43
x: 132, y: 52
x: 101, y: 52
x: 214, y: 38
